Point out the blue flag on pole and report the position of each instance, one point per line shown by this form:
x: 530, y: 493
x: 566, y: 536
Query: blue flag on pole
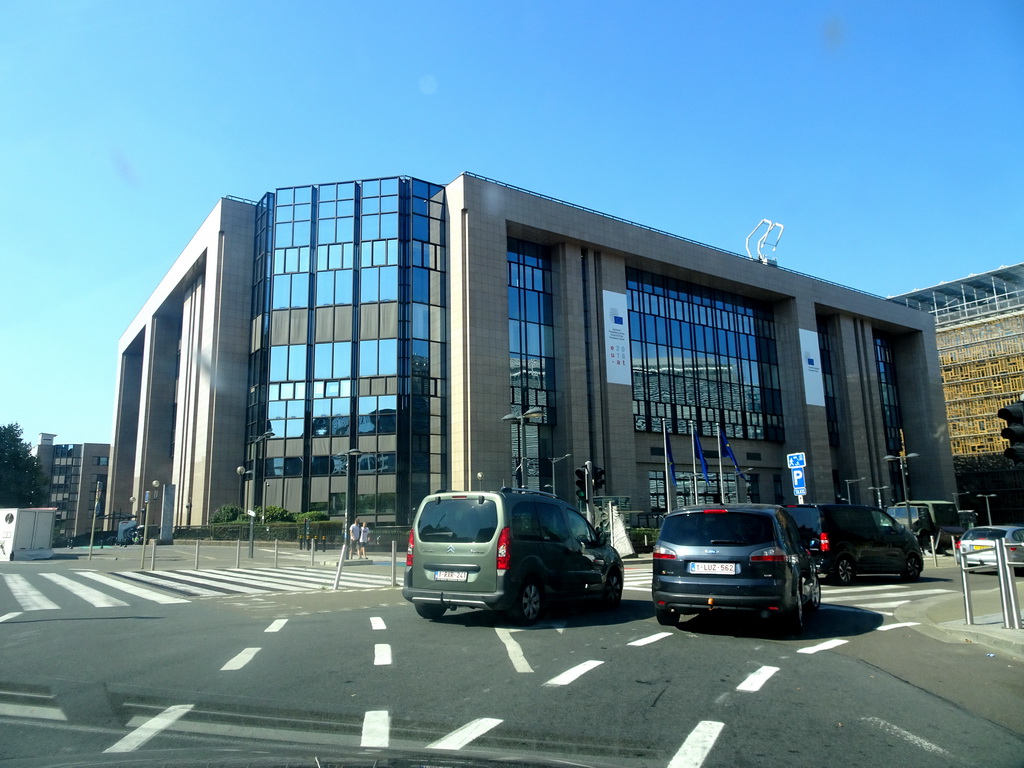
x: 670, y: 464
x: 727, y: 451
x: 698, y: 453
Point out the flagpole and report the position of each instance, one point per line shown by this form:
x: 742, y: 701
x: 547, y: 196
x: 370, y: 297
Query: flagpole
x: 668, y: 467
x: 693, y: 450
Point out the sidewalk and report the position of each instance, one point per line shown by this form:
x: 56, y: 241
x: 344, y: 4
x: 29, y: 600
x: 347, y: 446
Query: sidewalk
x: 943, y: 617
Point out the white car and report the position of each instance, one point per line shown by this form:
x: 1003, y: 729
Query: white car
x: 976, y: 546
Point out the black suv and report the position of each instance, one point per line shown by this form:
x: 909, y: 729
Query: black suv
x: 743, y: 557
x: 847, y: 539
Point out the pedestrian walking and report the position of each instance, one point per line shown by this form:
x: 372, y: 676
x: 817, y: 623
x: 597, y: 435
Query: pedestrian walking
x: 364, y: 537
x: 354, y: 532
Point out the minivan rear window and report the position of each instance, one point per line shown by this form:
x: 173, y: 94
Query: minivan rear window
x: 733, y: 529
x: 469, y: 519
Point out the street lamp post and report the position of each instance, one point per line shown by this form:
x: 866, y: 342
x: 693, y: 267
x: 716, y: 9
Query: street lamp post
x: 902, y: 459
x: 553, y: 462
x: 988, y: 509
x: 848, y: 484
x: 878, y: 493
x: 521, y: 417
x: 262, y: 464
x: 145, y: 522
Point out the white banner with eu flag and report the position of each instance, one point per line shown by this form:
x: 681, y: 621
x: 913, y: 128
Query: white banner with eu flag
x: 616, y: 339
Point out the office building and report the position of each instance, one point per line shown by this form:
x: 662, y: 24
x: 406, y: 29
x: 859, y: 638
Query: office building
x: 352, y: 346
x: 979, y: 334
x: 77, y: 477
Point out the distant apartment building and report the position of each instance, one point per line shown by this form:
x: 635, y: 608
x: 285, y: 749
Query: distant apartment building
x: 352, y: 346
x: 77, y: 476
x: 979, y: 333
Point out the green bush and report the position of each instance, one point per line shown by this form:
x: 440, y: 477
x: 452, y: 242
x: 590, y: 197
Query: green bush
x: 227, y: 513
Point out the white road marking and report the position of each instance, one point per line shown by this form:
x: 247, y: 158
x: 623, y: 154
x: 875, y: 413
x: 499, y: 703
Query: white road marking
x: 11, y: 615
x: 697, y: 745
x: 827, y: 645
x: 515, y: 652
x: 381, y: 655
x: 377, y: 623
x: 276, y: 625
x: 471, y: 731
x: 240, y: 660
x: 757, y: 679
x: 887, y: 627
x: 30, y: 598
x: 132, y: 589
x: 150, y: 728
x: 92, y: 596
x: 905, y: 594
x: 376, y: 729
x: 31, y: 710
x: 650, y: 639
x: 907, y: 736
x: 572, y: 674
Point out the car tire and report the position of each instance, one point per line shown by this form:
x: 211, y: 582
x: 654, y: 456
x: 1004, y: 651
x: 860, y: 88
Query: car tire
x: 793, y: 619
x: 912, y: 568
x: 814, y: 602
x: 432, y: 611
x: 613, y: 589
x: 666, y: 618
x: 845, y: 571
x: 529, y: 603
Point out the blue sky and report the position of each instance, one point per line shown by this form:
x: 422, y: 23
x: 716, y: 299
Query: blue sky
x: 885, y: 136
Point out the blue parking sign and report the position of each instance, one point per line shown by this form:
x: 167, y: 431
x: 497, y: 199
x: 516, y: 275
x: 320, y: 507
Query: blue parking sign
x: 799, y: 482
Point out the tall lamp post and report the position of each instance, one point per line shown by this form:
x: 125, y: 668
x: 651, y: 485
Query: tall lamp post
x: 902, y: 459
x: 553, y: 462
x: 878, y: 493
x: 848, y: 484
x: 532, y: 413
x: 145, y: 521
x: 262, y: 463
x: 988, y: 509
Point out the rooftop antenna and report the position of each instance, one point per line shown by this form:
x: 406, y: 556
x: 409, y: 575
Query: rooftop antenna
x: 764, y: 238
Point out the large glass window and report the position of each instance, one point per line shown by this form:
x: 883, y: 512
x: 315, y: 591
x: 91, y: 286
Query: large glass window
x: 702, y: 357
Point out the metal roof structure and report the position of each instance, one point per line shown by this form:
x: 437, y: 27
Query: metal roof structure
x: 998, y: 291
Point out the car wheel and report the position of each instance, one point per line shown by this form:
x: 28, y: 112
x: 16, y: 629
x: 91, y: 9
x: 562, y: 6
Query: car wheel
x: 666, y: 618
x: 529, y: 603
x: 613, y: 589
x: 814, y: 602
x: 793, y: 619
x: 430, y: 611
x: 845, y: 571
x: 912, y: 570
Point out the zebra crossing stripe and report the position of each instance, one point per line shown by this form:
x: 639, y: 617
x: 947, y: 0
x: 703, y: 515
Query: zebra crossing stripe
x: 166, y: 583
x: 132, y: 589
x: 30, y: 598
x: 92, y: 596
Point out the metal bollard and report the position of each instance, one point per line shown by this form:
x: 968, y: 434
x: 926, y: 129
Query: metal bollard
x: 197, y: 555
x: 312, y: 552
x: 968, y: 609
x: 341, y: 564
x: 394, y: 563
x: 1007, y: 589
x: 152, y: 554
x: 238, y: 555
x: 275, y: 553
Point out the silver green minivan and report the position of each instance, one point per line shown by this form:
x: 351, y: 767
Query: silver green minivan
x: 511, y: 550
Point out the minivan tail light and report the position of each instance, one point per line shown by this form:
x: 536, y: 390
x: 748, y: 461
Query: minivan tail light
x: 504, y: 549
x: 824, y: 542
x: 408, y: 551
x: 661, y: 553
x: 770, y: 555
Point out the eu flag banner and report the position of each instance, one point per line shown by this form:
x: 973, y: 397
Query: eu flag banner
x: 698, y: 453
x: 726, y: 449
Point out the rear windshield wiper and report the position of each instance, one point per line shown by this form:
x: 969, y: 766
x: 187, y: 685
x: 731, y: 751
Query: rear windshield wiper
x: 728, y: 543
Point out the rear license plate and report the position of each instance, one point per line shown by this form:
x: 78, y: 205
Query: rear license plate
x: 451, y: 576
x: 980, y: 546
x: 727, y: 568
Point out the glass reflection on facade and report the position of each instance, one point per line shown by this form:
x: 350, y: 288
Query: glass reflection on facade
x: 702, y: 356
x: 347, y: 346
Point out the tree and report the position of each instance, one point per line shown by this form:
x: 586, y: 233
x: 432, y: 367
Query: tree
x: 273, y: 514
x: 22, y: 482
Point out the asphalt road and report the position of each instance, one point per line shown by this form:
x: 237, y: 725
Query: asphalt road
x: 114, y: 677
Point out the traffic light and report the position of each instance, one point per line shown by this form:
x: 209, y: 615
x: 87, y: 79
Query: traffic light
x: 1013, y: 415
x: 598, y: 479
x: 581, y: 484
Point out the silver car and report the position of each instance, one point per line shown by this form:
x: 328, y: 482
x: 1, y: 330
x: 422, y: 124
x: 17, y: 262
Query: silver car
x: 977, y: 546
